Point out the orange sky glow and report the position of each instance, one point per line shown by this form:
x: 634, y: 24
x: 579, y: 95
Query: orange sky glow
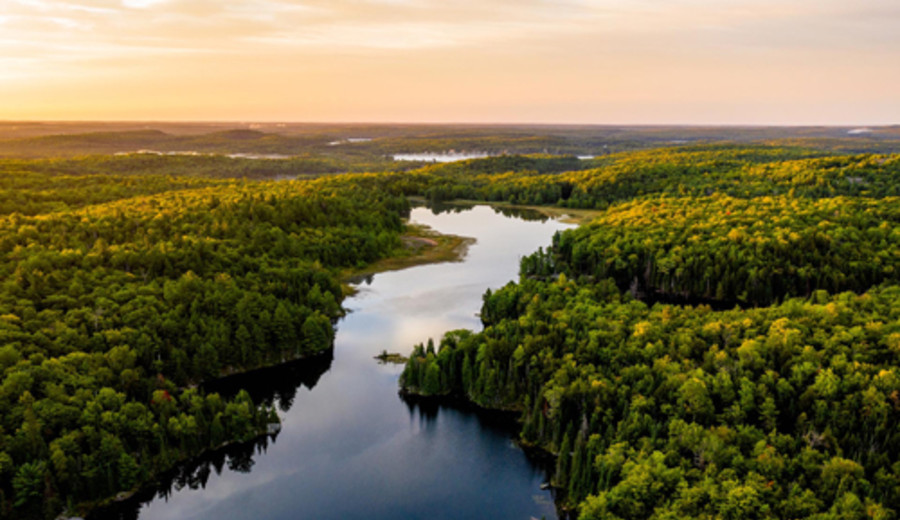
x: 522, y: 61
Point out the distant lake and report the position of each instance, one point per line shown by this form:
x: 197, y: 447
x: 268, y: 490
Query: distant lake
x: 194, y: 153
x: 350, y: 140
x: 351, y: 447
x: 453, y: 156
x: 440, y: 156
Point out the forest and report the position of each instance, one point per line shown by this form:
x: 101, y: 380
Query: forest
x: 121, y: 293
x: 721, y: 340
x: 131, y: 282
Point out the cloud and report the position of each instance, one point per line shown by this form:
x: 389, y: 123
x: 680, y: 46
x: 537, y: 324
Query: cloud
x: 406, y: 24
x: 142, y: 4
x: 521, y: 52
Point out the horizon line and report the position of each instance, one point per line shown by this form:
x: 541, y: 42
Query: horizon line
x: 445, y: 123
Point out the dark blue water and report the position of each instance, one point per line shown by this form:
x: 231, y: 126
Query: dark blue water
x: 350, y: 447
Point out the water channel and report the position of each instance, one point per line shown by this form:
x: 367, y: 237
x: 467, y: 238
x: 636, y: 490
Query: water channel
x: 350, y: 447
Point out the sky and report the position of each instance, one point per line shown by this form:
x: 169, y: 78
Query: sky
x: 480, y: 61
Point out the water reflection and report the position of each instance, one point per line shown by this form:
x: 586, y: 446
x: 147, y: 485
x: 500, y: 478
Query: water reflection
x: 193, y: 475
x: 528, y: 214
x: 275, y: 386
x: 522, y: 213
x: 427, y: 411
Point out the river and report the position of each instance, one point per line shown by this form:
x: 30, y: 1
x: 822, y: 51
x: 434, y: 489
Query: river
x: 350, y: 447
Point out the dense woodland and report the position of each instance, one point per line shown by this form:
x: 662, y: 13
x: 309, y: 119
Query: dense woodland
x: 129, y: 280
x: 111, y: 313
x: 783, y: 404
x: 755, y: 250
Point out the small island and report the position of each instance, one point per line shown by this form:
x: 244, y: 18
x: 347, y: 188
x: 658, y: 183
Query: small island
x: 391, y: 357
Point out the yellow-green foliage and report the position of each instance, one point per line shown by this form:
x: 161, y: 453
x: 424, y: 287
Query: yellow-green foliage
x: 787, y: 408
x: 738, y: 171
x: 110, y: 310
x: 754, y: 250
x: 127, y: 278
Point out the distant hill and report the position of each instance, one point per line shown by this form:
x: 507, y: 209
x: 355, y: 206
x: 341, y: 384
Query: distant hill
x: 367, y: 142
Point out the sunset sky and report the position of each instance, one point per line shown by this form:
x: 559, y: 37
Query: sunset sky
x: 569, y: 61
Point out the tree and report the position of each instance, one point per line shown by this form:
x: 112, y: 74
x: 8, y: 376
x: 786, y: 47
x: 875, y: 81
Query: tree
x: 28, y: 485
x: 317, y: 333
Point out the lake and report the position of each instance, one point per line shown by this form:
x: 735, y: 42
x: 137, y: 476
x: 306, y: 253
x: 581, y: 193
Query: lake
x: 350, y: 446
x: 439, y: 156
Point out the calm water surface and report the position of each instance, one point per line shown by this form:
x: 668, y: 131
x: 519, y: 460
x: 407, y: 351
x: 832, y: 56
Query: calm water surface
x: 350, y: 447
x: 439, y: 156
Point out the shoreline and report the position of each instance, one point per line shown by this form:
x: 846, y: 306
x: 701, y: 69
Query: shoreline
x: 421, y: 245
x: 147, y: 490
